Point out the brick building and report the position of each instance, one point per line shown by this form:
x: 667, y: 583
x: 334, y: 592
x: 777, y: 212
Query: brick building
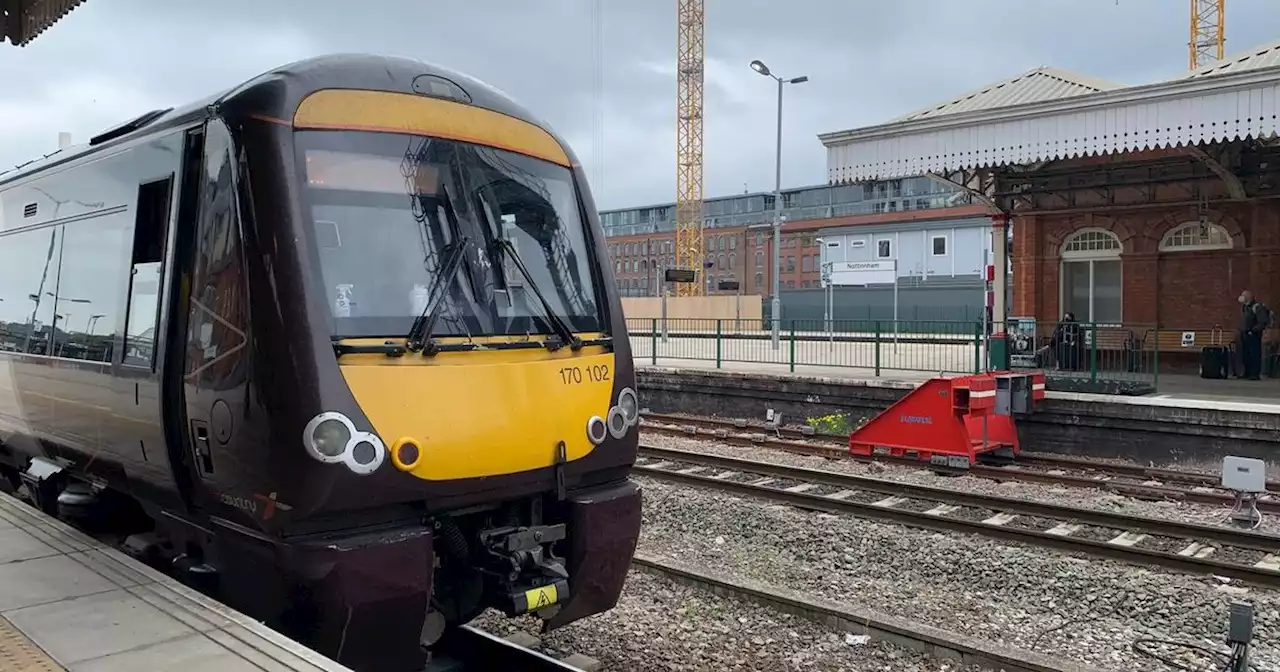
x: 738, y: 240
x: 1151, y: 205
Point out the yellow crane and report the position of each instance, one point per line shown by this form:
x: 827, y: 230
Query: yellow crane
x: 1208, y: 31
x: 690, y: 54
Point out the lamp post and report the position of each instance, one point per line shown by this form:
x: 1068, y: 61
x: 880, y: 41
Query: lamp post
x: 776, y: 309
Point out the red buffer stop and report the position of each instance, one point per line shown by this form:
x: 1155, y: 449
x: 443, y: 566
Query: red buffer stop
x: 951, y: 421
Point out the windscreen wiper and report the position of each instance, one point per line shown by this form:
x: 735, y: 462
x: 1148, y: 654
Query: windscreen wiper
x: 567, y: 337
x: 420, y: 333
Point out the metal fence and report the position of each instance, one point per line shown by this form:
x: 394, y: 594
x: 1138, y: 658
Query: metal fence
x: 1102, y: 352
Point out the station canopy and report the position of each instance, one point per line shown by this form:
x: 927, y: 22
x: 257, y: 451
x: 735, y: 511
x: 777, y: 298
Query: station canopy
x: 21, y: 21
x: 1048, y: 114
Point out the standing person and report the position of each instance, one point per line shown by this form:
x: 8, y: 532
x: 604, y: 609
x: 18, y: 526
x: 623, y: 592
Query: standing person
x: 1254, y: 320
x: 1067, y: 343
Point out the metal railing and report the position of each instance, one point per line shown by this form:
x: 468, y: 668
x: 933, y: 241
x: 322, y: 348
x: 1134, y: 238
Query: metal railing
x: 1097, y: 353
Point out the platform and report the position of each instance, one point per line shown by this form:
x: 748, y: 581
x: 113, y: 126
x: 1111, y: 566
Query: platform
x: 1176, y: 391
x: 68, y: 602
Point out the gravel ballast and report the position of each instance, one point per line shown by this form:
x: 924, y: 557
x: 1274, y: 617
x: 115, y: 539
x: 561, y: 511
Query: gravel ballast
x: 1085, y: 609
x: 1090, y: 498
x: 662, y: 625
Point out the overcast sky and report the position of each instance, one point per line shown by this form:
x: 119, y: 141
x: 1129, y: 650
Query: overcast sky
x: 110, y: 60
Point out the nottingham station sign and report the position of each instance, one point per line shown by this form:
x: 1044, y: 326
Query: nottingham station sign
x: 21, y: 21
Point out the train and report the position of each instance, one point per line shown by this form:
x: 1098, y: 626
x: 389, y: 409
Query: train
x: 340, y: 346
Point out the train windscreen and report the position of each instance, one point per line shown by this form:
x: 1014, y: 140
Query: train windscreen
x: 388, y: 209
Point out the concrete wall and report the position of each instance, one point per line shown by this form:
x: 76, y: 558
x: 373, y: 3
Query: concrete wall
x: 694, y: 307
x: 1161, y: 436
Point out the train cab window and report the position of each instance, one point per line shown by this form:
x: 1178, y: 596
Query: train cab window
x: 146, y: 261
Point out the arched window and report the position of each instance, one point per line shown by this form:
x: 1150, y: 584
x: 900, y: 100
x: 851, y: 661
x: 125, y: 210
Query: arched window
x: 1091, y: 276
x: 1193, y: 236
x: 759, y: 280
x: 759, y: 259
x: 732, y: 259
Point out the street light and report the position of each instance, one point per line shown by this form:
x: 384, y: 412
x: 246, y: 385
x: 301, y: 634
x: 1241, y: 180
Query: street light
x: 776, y: 310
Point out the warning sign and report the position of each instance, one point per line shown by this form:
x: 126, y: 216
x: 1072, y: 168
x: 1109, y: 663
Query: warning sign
x: 539, y: 598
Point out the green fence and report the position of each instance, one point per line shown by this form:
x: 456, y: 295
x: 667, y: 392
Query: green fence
x: 1105, y: 352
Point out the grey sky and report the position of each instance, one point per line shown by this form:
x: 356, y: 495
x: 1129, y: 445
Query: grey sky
x: 867, y: 61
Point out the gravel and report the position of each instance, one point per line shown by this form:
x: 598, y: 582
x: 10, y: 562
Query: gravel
x: 662, y: 625
x: 1090, y: 498
x: 1081, y: 608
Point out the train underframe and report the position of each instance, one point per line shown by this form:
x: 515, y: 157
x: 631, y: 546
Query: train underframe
x: 378, y: 598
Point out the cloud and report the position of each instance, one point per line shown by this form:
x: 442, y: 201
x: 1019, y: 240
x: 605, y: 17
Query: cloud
x: 867, y: 62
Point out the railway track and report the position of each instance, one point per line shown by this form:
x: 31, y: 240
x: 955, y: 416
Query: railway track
x: 1131, y: 480
x: 962, y: 648
x: 470, y: 649
x: 1203, y: 549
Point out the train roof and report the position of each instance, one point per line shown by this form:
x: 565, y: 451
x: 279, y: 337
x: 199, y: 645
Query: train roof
x: 278, y: 92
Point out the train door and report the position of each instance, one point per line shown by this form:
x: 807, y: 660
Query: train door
x: 171, y: 329
x: 214, y: 341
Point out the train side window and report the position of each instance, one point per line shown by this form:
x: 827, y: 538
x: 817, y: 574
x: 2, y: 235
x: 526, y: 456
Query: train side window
x: 28, y: 283
x: 146, y: 269
x: 88, y: 303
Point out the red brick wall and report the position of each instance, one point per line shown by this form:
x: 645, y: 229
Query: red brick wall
x: 1177, y: 290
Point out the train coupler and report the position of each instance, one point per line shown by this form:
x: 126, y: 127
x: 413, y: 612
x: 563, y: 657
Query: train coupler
x: 525, y: 575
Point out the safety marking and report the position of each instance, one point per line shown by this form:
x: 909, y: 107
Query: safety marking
x: 20, y: 654
x: 802, y: 487
x: 725, y: 474
x: 540, y: 598
x: 843, y: 494
x: 982, y: 394
x: 763, y: 481
x: 1128, y: 539
x: 1271, y: 561
x: 941, y: 510
x: 1001, y: 519
x: 691, y: 470
x: 889, y: 502
x: 1197, y: 550
x: 1063, y: 529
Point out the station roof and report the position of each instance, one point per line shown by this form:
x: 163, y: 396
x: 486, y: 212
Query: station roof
x: 1049, y: 114
x: 1043, y: 83
x: 1264, y: 56
x: 21, y: 21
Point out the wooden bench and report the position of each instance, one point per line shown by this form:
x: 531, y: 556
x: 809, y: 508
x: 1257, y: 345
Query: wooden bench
x: 1170, y: 340
x: 1109, y: 338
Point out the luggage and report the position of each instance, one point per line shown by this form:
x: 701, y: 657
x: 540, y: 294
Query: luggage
x: 1215, y: 358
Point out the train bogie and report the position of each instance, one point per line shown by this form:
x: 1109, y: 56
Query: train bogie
x: 344, y: 337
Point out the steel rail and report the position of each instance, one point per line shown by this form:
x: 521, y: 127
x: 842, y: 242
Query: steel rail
x: 916, y: 636
x: 838, y: 449
x: 470, y: 648
x: 1187, y: 563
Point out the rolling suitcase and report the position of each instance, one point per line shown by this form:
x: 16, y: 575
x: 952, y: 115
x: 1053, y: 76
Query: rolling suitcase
x: 1215, y: 358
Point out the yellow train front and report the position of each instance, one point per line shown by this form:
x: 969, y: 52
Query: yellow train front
x: 418, y: 384
x: 338, y: 345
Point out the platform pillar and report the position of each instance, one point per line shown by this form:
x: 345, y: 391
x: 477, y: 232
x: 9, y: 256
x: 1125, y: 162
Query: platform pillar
x: 998, y: 279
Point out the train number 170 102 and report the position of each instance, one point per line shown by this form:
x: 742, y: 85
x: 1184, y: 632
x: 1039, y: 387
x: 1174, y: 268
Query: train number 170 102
x: 572, y: 375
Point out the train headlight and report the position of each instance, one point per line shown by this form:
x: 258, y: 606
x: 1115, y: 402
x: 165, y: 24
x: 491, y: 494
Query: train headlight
x: 617, y: 423
x: 629, y: 405
x: 332, y: 437
x: 596, y: 430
